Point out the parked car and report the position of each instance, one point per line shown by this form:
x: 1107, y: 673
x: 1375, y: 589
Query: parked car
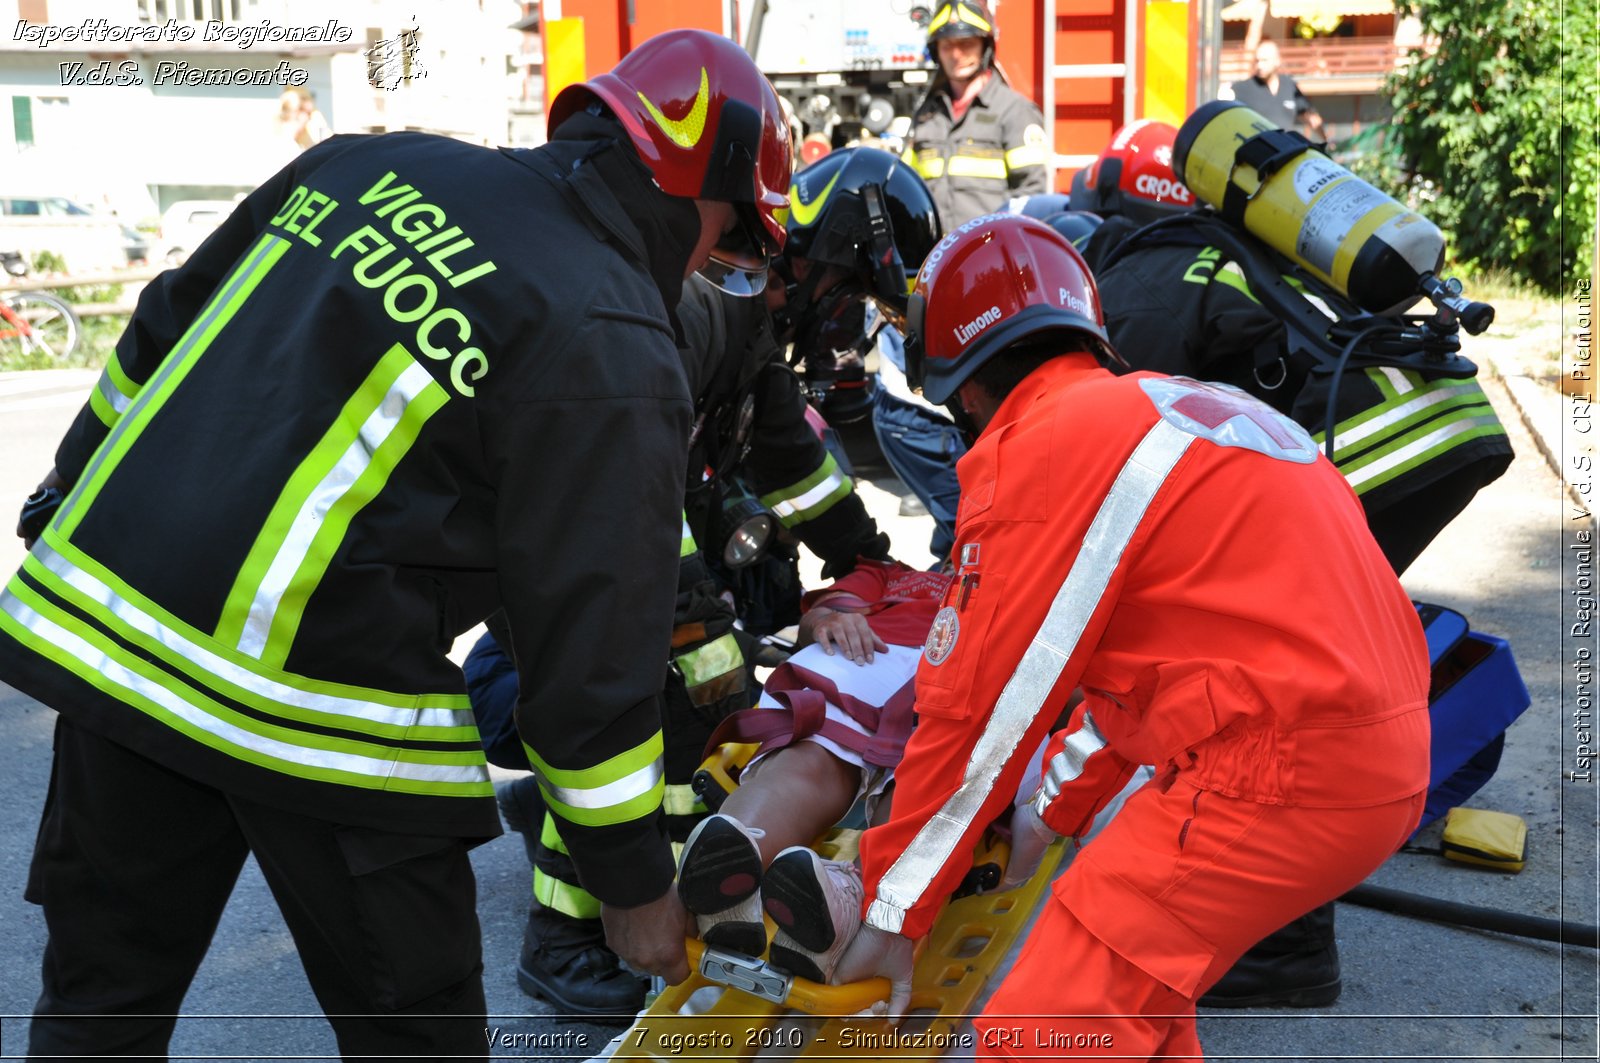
x: 189, y: 221
x: 33, y: 222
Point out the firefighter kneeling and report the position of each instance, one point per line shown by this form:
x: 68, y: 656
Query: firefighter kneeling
x: 1184, y: 555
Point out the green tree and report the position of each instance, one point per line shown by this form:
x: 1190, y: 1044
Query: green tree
x: 1496, y: 126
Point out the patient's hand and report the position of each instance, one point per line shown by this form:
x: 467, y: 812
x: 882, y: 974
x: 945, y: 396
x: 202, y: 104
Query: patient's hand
x: 846, y: 633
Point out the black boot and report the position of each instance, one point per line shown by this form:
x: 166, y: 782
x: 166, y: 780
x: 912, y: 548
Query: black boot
x: 1295, y: 967
x: 522, y: 807
x: 565, y: 961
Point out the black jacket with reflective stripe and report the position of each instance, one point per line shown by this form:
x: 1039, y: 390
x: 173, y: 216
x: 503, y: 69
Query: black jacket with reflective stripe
x: 729, y: 353
x: 408, y: 382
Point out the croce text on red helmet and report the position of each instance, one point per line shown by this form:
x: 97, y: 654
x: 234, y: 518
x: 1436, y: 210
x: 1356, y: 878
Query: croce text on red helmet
x: 1134, y: 176
x: 707, y: 123
x: 991, y: 283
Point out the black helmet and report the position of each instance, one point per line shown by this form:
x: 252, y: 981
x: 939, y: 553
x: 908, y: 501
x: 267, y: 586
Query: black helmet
x: 867, y: 212
x: 1042, y: 205
x: 1076, y: 225
x: 961, y: 18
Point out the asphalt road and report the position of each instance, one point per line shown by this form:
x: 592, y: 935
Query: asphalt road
x: 1413, y: 990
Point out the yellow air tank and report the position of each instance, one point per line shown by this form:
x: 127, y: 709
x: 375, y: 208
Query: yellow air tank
x: 1307, y: 207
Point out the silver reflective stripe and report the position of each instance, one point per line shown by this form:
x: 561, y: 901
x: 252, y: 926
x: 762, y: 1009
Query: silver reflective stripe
x: 113, y: 396
x: 1068, y: 764
x: 114, y: 672
x: 1345, y: 439
x: 1397, y: 377
x: 131, y: 616
x: 630, y: 786
x: 1025, y: 693
x: 792, y: 506
x: 1358, y: 477
x: 248, y: 274
x: 308, y: 521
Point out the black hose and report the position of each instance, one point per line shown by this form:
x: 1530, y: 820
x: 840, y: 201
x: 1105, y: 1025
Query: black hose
x: 1503, y: 922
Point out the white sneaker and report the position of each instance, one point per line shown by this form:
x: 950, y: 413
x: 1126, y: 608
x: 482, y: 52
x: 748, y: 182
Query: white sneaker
x: 816, y: 904
x: 719, y: 880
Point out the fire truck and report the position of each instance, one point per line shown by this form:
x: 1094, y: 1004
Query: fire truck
x: 854, y: 69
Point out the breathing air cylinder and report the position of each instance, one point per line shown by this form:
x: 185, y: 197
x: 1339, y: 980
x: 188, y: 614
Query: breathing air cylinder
x: 1306, y: 206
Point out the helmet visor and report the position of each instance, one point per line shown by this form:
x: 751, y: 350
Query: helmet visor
x: 735, y: 274
x: 740, y: 260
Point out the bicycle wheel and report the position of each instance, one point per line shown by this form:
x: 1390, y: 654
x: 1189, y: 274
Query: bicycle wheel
x: 40, y: 323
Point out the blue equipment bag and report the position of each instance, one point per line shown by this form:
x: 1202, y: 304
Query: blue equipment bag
x: 1475, y: 694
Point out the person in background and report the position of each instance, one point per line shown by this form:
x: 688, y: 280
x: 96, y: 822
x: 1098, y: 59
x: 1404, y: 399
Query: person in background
x: 1275, y: 95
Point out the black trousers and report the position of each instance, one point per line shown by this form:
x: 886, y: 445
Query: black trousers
x: 134, y: 864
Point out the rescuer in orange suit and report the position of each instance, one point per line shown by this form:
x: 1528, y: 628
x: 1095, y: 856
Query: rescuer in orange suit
x: 1184, y: 555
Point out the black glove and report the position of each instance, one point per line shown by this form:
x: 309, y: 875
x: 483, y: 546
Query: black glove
x: 37, y: 511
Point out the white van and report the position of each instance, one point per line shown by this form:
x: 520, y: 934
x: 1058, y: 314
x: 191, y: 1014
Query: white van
x: 189, y: 221
x: 88, y: 242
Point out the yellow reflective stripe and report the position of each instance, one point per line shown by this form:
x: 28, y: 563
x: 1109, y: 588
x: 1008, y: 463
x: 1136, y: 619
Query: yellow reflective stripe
x: 550, y: 836
x: 686, y: 131
x: 216, y: 315
x: 929, y: 168
x: 1027, y: 155
x: 806, y: 213
x: 564, y: 897
x: 114, y: 392
x: 941, y: 18
x: 811, y: 497
x: 974, y: 166
x: 1231, y: 275
x: 75, y: 578
x: 340, y: 475
x: 1418, y: 447
x: 971, y: 18
x: 621, y: 788
x: 687, y: 546
x: 103, y: 408
x: 681, y: 800
x: 78, y: 647
x: 714, y: 659
x: 1411, y: 407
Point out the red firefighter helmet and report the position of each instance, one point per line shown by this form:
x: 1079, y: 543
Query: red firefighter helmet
x: 1134, y: 176
x: 991, y: 283
x: 706, y: 122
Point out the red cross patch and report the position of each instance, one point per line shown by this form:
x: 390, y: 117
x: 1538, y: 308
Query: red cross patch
x: 1224, y: 415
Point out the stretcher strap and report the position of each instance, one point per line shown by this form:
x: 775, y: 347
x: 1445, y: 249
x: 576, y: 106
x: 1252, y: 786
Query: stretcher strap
x: 804, y: 696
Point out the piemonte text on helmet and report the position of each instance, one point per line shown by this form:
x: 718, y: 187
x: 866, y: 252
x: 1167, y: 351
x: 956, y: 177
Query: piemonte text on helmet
x: 1073, y: 303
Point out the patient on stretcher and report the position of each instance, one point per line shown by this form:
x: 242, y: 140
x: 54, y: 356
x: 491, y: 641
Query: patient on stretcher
x: 831, y: 724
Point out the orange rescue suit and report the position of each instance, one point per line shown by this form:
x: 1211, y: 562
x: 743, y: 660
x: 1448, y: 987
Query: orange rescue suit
x: 1183, y: 554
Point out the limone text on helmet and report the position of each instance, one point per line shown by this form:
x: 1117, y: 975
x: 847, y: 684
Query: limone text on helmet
x: 977, y: 324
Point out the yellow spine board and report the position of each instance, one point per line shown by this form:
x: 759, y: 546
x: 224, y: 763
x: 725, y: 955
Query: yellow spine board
x: 970, y: 940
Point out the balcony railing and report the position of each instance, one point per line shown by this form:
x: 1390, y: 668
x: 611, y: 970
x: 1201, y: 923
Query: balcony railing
x: 1328, y: 60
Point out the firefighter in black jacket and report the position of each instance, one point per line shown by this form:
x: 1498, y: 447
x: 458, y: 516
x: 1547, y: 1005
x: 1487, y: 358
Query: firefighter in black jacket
x: 364, y: 415
x: 975, y: 140
x: 750, y: 432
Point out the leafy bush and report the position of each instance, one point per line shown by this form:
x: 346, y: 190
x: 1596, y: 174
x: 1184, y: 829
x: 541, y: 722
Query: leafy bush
x: 1498, y: 126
